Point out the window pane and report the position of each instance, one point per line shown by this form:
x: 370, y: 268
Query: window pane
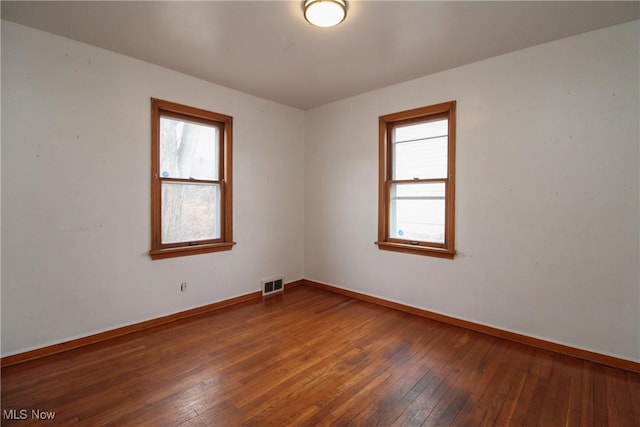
x: 188, y: 150
x: 427, y: 129
x: 190, y: 212
x: 420, y: 150
x: 417, y: 212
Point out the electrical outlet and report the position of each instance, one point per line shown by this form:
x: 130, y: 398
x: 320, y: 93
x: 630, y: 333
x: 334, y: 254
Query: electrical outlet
x: 183, y: 287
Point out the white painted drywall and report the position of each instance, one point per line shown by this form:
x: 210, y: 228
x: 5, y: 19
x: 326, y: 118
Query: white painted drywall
x: 76, y: 184
x: 547, y: 196
x: 0, y: 196
x: 547, y: 207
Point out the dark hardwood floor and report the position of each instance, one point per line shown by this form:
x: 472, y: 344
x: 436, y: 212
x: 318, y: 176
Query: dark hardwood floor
x: 313, y: 358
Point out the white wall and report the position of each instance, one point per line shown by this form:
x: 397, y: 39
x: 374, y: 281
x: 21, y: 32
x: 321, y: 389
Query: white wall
x: 547, y: 213
x: 547, y: 193
x: 75, y: 192
x: 0, y: 204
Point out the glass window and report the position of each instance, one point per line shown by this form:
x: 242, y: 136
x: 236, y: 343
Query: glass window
x: 420, y: 150
x: 416, y: 181
x: 191, y: 181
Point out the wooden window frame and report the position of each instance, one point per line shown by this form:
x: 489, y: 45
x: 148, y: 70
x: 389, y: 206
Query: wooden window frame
x: 224, y: 123
x: 386, y: 125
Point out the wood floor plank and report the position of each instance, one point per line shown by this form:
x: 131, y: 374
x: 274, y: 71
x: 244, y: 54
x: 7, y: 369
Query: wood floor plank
x: 309, y: 357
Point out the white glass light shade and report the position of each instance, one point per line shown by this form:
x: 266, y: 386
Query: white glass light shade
x: 325, y: 13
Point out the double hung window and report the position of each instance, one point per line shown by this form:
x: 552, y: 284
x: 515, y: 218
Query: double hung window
x: 416, y: 181
x: 191, y: 180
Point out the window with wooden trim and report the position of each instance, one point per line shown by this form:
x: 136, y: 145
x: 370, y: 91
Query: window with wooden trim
x: 416, y: 210
x: 191, y: 205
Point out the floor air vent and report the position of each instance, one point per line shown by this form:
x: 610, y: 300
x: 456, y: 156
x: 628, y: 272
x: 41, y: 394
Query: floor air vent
x: 272, y: 286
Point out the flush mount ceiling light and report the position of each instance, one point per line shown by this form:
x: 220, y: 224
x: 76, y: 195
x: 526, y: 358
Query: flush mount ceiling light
x: 325, y: 13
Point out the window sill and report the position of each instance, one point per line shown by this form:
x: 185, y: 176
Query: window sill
x: 417, y: 250
x: 190, y: 250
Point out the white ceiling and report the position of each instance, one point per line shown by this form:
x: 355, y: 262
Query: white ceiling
x: 267, y: 49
